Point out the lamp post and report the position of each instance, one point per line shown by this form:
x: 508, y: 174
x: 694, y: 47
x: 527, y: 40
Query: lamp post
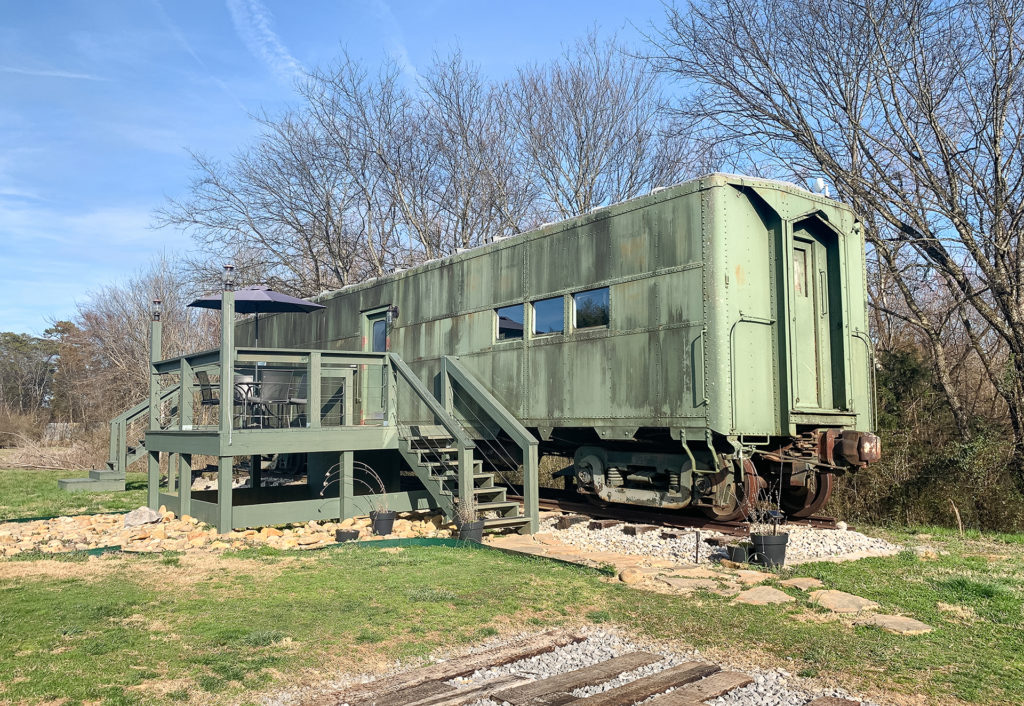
x: 155, y: 347
x: 227, y: 348
x: 225, y: 465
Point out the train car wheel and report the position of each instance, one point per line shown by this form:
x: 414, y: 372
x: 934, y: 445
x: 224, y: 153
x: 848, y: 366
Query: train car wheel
x: 741, y: 502
x: 806, y: 501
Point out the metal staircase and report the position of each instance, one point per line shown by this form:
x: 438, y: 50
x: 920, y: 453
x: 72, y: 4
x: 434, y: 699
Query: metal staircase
x: 433, y: 455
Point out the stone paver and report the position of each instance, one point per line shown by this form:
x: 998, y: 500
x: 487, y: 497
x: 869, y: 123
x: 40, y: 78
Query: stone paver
x: 763, y: 595
x: 688, y: 585
x: 898, y: 624
x: 841, y: 602
x: 749, y: 578
x: 804, y: 583
x: 699, y: 572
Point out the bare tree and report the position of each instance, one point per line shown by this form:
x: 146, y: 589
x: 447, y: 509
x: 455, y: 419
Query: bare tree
x: 592, y: 128
x: 479, y: 187
x: 913, y: 109
x: 373, y: 171
x: 113, y: 333
x: 281, y: 211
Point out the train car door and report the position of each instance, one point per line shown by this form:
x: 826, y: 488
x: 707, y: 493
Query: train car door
x: 810, y: 343
x: 375, y: 340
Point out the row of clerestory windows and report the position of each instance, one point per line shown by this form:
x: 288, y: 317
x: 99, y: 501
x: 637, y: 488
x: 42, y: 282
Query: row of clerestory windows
x: 587, y: 310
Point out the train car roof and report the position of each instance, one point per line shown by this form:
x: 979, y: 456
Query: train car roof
x: 659, y: 194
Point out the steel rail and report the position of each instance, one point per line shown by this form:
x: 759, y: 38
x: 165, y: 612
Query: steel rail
x: 653, y: 516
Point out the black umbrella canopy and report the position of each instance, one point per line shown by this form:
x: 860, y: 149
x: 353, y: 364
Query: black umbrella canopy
x: 260, y: 299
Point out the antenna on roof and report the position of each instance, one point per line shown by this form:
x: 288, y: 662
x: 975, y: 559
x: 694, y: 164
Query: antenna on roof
x: 820, y: 187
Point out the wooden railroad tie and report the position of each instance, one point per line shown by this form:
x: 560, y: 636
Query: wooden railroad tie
x: 688, y: 684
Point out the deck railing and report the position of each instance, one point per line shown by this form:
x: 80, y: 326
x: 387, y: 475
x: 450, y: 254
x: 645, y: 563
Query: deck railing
x: 278, y: 389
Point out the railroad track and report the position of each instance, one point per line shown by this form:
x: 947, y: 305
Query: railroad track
x: 691, y: 683
x: 558, y: 501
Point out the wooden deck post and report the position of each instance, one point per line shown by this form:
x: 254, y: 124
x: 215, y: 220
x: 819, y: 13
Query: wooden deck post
x: 184, y: 484
x: 186, y: 402
x: 346, y: 507
x: 225, y: 467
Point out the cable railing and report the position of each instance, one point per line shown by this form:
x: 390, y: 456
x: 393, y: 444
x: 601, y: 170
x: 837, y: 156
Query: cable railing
x: 274, y: 389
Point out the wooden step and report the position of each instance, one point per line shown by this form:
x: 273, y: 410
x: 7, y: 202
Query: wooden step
x: 698, y: 692
x: 378, y: 691
x: 497, y: 506
x: 505, y: 522
x: 563, y: 684
x: 496, y: 492
x: 429, y: 431
x: 646, y: 687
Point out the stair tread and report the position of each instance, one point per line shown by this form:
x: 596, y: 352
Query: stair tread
x: 519, y: 520
x: 496, y: 504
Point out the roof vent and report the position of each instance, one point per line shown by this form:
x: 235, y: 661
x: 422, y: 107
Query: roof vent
x: 820, y: 187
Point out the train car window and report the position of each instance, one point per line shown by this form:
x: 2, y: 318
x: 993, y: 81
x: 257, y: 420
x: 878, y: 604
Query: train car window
x: 800, y: 271
x: 380, y: 336
x: 591, y: 308
x: 548, y: 316
x: 510, y: 322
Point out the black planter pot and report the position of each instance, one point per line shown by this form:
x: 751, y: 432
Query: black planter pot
x: 383, y: 522
x: 348, y: 535
x: 472, y: 531
x: 740, y: 553
x: 768, y: 549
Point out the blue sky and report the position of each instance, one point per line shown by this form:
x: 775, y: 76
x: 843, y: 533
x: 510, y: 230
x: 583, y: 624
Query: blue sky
x: 99, y: 101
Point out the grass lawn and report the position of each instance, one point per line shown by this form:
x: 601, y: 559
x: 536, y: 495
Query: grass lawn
x: 204, y: 628
x: 35, y: 494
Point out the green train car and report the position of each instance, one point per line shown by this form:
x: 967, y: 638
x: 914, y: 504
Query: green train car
x: 696, y: 347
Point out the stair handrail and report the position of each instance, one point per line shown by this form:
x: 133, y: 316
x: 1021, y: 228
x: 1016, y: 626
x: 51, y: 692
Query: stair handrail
x: 449, y: 422
x: 119, y: 425
x: 527, y: 442
x: 463, y: 442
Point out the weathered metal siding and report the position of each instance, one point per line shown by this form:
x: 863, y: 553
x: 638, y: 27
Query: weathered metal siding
x: 696, y: 291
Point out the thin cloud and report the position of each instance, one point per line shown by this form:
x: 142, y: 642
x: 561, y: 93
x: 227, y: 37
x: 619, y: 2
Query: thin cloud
x: 186, y: 45
x: 50, y: 73
x: 253, y: 24
x: 387, y: 16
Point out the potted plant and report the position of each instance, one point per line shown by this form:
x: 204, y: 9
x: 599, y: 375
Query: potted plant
x: 767, y: 544
x: 471, y: 529
x: 740, y: 552
x: 382, y: 519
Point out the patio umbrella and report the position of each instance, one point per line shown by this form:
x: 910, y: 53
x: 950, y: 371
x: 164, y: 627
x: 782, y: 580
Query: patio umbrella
x: 259, y: 299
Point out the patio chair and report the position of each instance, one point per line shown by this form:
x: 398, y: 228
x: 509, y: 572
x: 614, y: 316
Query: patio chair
x: 208, y: 392
x: 278, y: 389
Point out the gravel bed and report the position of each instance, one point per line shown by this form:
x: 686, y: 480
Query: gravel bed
x: 770, y: 687
x: 612, y: 539
x: 805, y: 543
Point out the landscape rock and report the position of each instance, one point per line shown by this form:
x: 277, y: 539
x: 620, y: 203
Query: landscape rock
x: 763, y: 595
x: 631, y: 576
x: 141, y: 516
x: 841, y: 602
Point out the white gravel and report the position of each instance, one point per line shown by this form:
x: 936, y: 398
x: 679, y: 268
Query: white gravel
x: 805, y: 543
x: 770, y: 687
